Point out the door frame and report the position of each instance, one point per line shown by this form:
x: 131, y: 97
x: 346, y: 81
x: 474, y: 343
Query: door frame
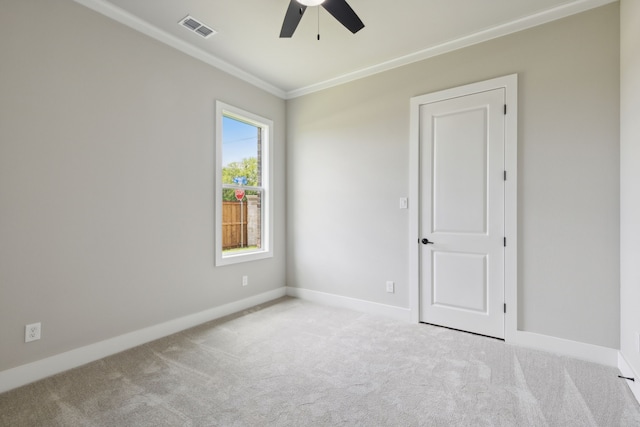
x: 510, y: 84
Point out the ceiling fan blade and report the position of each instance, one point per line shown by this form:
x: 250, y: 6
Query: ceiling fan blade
x: 344, y: 14
x: 292, y: 18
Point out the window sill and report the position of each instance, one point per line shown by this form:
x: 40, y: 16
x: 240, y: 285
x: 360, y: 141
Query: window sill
x: 242, y: 257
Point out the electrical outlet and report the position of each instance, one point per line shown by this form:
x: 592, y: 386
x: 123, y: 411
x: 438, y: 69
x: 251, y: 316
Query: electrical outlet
x: 32, y: 332
x: 404, y: 203
x: 245, y: 280
x: 390, y: 287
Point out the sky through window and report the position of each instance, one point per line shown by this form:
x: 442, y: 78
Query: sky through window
x: 240, y: 141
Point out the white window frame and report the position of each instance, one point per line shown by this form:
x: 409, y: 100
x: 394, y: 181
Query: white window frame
x: 266, y: 250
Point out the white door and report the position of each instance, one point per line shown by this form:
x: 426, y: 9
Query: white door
x: 462, y: 212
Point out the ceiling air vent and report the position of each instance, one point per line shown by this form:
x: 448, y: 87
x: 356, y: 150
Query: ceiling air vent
x: 196, y: 26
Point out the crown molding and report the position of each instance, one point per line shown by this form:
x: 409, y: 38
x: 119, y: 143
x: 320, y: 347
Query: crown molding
x: 106, y: 8
x: 527, y: 22
x: 122, y: 16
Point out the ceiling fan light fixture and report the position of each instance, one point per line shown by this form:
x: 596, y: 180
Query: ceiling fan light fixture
x: 310, y: 2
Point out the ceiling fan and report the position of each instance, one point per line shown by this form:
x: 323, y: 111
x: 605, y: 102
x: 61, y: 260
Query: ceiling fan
x: 338, y: 8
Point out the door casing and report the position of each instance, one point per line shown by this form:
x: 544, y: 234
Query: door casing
x: 510, y: 84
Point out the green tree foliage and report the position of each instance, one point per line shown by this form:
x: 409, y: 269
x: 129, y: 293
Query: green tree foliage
x: 247, y: 168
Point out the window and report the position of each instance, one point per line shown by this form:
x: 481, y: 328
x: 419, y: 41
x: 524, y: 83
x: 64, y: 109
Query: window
x: 244, y: 220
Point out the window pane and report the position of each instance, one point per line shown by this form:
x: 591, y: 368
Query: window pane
x: 241, y: 221
x: 244, y: 212
x: 241, y: 153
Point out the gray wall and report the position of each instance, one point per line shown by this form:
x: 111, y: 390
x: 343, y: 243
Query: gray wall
x: 630, y: 181
x: 347, y: 161
x: 107, y: 163
x: 106, y: 181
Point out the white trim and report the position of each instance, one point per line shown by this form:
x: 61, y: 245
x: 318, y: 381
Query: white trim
x: 25, y: 374
x: 267, y: 219
x: 414, y: 211
x: 578, y: 350
x: 588, y: 352
x: 524, y: 23
x: 120, y: 15
x: 390, y: 311
x: 510, y: 84
x: 627, y: 371
x: 511, y: 208
x: 108, y: 9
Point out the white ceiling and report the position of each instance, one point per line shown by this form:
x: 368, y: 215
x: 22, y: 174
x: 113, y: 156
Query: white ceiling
x: 396, y: 33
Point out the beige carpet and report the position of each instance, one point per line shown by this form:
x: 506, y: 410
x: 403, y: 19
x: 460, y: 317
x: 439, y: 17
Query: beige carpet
x: 294, y: 363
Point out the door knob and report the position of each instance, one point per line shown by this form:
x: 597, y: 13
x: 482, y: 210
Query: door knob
x: 426, y: 241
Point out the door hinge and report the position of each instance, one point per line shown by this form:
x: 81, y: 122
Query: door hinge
x: 505, y: 242
x: 505, y: 109
x: 505, y: 308
x: 505, y: 175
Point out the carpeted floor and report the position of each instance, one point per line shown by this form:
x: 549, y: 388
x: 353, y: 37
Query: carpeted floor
x: 295, y: 363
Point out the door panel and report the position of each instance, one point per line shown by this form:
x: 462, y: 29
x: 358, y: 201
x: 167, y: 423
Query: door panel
x: 460, y: 281
x: 459, y: 175
x: 462, y: 213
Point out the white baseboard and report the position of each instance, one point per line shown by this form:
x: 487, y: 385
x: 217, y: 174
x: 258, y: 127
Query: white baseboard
x: 627, y: 371
x: 397, y: 313
x: 25, y: 374
x: 588, y: 352
x: 579, y: 350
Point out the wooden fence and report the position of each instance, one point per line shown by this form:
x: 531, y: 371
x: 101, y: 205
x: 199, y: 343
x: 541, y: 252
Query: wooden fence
x: 234, y: 225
